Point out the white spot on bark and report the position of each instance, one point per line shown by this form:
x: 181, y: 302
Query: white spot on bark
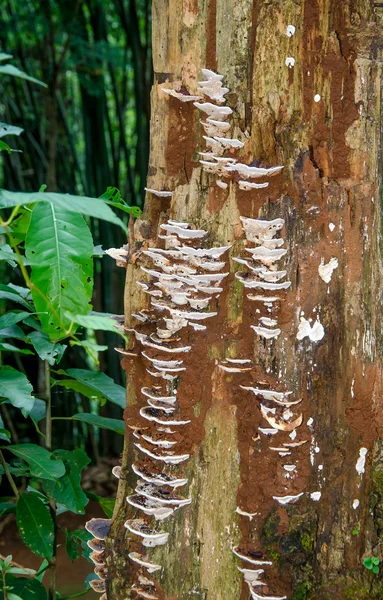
x: 314, y: 333
x: 355, y: 504
x: 361, y: 462
x: 326, y: 271
x: 290, y: 30
x: 315, y: 496
x: 331, y: 226
x: 316, y: 98
x: 290, y: 62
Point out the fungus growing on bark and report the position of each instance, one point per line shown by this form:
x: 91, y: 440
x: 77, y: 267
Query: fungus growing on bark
x: 158, y: 415
x: 267, y: 430
x: 256, y: 596
x: 290, y: 62
x: 315, y: 333
x: 280, y: 424
x: 144, y: 340
x: 326, y: 271
x: 180, y: 96
x: 248, y: 558
x: 158, y: 478
x: 160, y: 495
x: 96, y: 545
x: 99, y: 528
x: 266, y: 255
x: 154, y: 394
x: 213, y: 89
x: 229, y: 142
x: 211, y: 75
x: 251, y: 575
x: 248, y: 172
x: 361, y: 462
x: 183, y: 233
x: 150, y: 507
x: 287, y: 499
x: 98, y: 585
x: 120, y: 255
x: 167, y: 457
x: 239, y: 511
x: 218, y: 113
x: 98, y: 558
x: 290, y: 30
x: 247, y: 186
x: 141, y: 560
x: 116, y: 471
x: 150, y: 537
x: 315, y: 496
x: 265, y: 332
x: 221, y: 184
x: 159, y: 193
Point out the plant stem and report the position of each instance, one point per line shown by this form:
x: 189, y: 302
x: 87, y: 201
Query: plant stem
x: 48, y: 445
x: 9, y: 476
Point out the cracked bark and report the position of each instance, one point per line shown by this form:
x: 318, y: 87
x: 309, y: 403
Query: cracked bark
x: 331, y: 150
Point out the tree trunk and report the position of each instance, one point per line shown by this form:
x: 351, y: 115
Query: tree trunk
x: 321, y: 119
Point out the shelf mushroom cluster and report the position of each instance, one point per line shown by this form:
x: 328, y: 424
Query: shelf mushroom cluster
x: 266, y: 281
x: 99, y: 528
x: 184, y: 281
x: 214, y: 159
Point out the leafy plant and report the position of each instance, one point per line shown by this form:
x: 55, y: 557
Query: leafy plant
x: 372, y: 564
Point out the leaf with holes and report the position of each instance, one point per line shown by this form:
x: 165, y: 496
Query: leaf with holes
x: 67, y: 490
x: 35, y: 524
x: 59, y: 247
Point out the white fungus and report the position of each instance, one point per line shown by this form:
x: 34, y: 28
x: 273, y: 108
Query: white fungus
x: 316, y: 98
x: 326, y: 270
x: 290, y: 62
x: 361, y: 462
x: 314, y: 333
x: 290, y: 30
x: 315, y: 496
x: 355, y: 504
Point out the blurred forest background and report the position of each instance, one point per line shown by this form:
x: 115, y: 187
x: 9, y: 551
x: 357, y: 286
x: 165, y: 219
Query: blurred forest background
x: 89, y: 129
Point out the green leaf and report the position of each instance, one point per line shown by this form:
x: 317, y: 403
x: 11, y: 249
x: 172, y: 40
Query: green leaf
x: 375, y: 570
x: 6, y: 129
x: 77, y: 204
x: 38, y: 411
x: 113, y: 197
x: 9, y: 293
x: 375, y: 560
x: 96, y: 322
x: 15, y: 72
x: 4, y: 147
x: 16, y: 388
x: 76, y: 538
x: 4, y: 56
x: 25, y: 588
x: 42, y: 464
x: 67, y: 490
x: 112, y: 424
x: 35, y: 524
x: 5, y: 435
x: 59, y: 246
x: 12, y: 317
x: 11, y: 348
x: 368, y: 563
x: 101, y: 385
x: 46, y: 349
x: 7, y: 508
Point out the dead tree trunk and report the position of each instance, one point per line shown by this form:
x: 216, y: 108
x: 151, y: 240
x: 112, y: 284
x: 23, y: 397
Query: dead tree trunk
x: 310, y: 101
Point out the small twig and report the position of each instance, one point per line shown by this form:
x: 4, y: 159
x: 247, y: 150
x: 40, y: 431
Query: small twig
x: 9, y: 476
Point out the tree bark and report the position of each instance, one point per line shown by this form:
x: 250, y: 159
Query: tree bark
x: 321, y: 119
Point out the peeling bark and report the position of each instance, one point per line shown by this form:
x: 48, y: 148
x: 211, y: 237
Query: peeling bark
x: 329, y: 196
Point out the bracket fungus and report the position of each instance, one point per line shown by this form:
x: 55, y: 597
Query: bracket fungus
x: 159, y: 193
x: 140, y: 560
x: 314, y: 332
x: 158, y: 478
x: 180, y: 96
x: 150, y: 537
x: 99, y: 528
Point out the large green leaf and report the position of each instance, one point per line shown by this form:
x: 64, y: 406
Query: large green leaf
x: 59, y: 246
x: 46, y: 349
x: 35, y: 524
x: 25, y: 588
x: 16, y: 388
x: 67, y: 490
x: 96, y: 322
x: 115, y: 425
x: 99, y: 385
x: 77, y: 204
x: 42, y: 464
x: 15, y: 72
x: 107, y: 504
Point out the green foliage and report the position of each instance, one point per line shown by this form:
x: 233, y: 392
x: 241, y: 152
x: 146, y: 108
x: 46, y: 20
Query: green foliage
x: 93, y: 384
x: 15, y: 72
x: 66, y: 490
x: 76, y: 543
x: 74, y: 204
x: 115, y: 425
x: 15, y: 387
x: 62, y: 268
x: 372, y: 564
x: 42, y: 464
x: 35, y: 524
